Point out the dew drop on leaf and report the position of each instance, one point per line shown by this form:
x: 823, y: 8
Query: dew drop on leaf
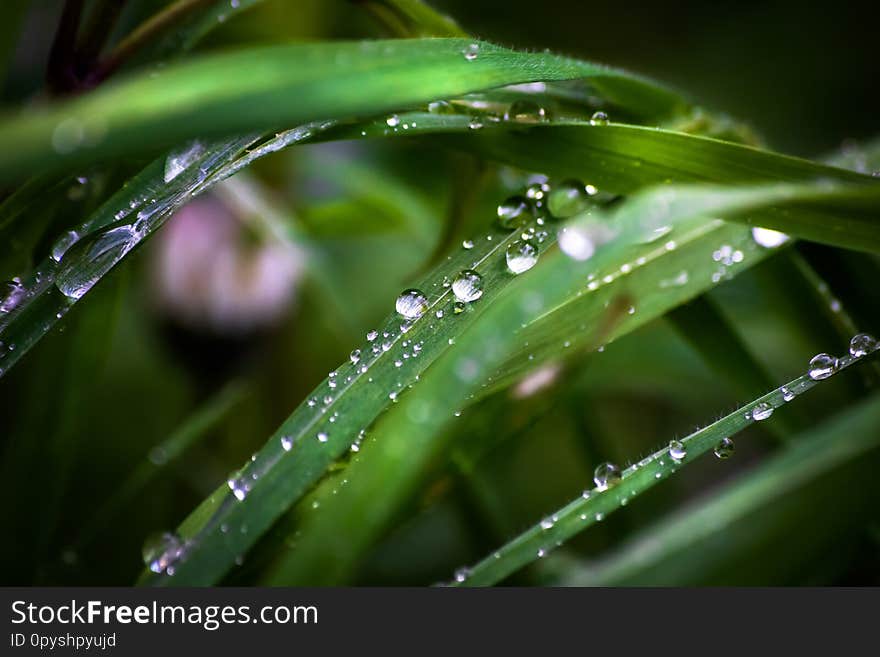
x: 822, y: 366
x: 513, y: 212
x: 161, y: 550
x: 724, y: 449
x: 677, y: 450
x: 411, y: 304
x: 862, y: 344
x: 467, y: 286
x: 606, y: 475
x: 521, y: 256
x: 526, y: 111
x: 761, y: 411
x: 769, y: 239
x: 567, y: 199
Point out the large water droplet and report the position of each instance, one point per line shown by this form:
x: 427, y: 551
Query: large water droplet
x: 526, y: 111
x: 677, y: 450
x: 471, y: 51
x: 822, y: 366
x: 161, y: 551
x: 725, y: 448
x: 862, y: 344
x: 762, y: 411
x: 90, y: 259
x: 411, y: 304
x: 599, y: 118
x: 62, y: 244
x: 286, y: 443
x: 513, y: 212
x: 521, y: 256
x: 441, y: 107
x: 576, y: 243
x: 567, y: 199
x: 606, y: 475
x: 467, y: 286
x: 768, y: 238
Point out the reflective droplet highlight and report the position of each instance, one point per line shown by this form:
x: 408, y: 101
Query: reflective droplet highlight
x: 521, y: 256
x: 822, y: 366
x: 467, y: 286
x: 411, y: 304
x: 606, y: 475
x: 724, y: 449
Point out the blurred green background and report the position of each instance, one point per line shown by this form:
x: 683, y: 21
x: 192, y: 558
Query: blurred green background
x: 155, y: 346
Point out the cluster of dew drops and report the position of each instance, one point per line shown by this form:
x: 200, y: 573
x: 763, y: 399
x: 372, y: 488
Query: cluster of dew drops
x: 606, y: 475
x: 526, y: 212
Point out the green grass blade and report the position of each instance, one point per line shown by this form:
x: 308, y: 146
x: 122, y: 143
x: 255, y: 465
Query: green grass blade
x: 119, y: 226
x: 756, y: 505
x: 269, y: 87
x: 594, y: 505
x: 553, y: 295
x: 623, y: 159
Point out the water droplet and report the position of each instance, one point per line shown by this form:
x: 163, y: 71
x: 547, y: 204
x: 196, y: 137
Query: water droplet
x: 724, y: 449
x: 677, y: 450
x: 567, y: 199
x: 467, y: 244
x: 599, y: 118
x: 11, y: 294
x: 322, y: 437
x: 606, y: 475
x: 393, y: 121
x: 161, y: 550
x: 862, y: 344
x: 537, y: 192
x: 762, y: 411
x: 90, y: 259
x: 355, y: 356
x: 475, y: 123
x: 372, y: 335
x: 822, y: 366
x: 521, y: 256
x: 526, y: 111
x: 576, y: 243
x: 513, y: 212
x: 239, y: 486
x: 181, y: 160
x: 471, y: 51
x: 411, y: 304
x: 440, y: 107
x: 462, y: 574
x: 467, y: 286
x: 767, y: 238
x: 787, y: 394
x: 547, y: 523
x: 457, y: 308
x: 62, y: 244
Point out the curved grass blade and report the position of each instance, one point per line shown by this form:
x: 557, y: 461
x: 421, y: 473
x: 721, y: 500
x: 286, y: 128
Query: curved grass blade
x: 80, y: 259
x: 622, y: 159
x: 553, y: 294
x: 747, y: 509
x: 268, y: 87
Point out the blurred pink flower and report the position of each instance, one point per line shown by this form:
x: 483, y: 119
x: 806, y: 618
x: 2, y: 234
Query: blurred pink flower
x: 209, y: 274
